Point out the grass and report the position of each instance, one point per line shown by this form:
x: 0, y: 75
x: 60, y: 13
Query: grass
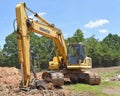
x: 85, y: 88
x: 106, y: 75
x: 97, y: 90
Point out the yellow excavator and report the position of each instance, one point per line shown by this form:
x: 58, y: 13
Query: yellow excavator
x: 69, y: 62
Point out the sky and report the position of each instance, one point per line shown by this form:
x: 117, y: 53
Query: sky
x: 93, y: 17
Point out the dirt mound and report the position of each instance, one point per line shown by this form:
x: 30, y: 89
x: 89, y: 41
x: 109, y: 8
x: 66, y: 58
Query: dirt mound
x: 9, y: 76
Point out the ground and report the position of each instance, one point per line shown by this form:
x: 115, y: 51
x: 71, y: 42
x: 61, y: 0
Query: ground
x: 10, y: 79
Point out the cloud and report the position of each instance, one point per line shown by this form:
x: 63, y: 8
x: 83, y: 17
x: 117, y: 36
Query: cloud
x: 66, y: 35
x: 97, y: 23
x: 41, y: 14
x: 103, y: 30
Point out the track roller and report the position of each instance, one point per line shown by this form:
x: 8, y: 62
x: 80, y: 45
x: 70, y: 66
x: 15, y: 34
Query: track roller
x: 56, y: 78
x: 92, y: 78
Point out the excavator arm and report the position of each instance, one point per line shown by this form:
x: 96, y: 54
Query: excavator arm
x: 25, y: 25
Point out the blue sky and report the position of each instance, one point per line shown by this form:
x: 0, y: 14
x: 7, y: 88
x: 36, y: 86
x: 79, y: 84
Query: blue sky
x: 93, y: 17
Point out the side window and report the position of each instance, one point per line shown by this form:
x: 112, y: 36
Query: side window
x: 77, y: 50
x: 71, y: 51
x: 82, y: 52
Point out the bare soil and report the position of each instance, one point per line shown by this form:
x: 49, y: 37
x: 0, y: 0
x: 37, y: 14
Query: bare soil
x: 10, y: 78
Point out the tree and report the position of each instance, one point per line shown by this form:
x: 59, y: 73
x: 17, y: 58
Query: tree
x: 111, y: 55
x: 10, y: 50
x: 40, y: 48
x: 2, y: 58
x: 112, y: 41
x: 93, y: 50
x: 77, y: 37
x: 103, y: 53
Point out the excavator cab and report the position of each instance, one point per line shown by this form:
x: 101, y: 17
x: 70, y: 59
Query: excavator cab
x: 76, y: 53
x: 77, y: 58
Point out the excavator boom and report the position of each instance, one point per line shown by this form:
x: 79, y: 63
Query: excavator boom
x: 23, y: 43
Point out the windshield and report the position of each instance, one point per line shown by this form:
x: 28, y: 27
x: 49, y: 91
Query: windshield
x: 77, y: 50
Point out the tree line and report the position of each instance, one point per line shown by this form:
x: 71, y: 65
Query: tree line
x: 104, y: 53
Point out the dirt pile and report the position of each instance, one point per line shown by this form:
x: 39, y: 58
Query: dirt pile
x: 9, y: 80
x: 10, y: 76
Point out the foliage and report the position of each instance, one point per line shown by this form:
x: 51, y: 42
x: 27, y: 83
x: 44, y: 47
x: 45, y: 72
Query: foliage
x: 77, y: 37
x: 111, y: 50
x: 112, y: 41
x: 39, y: 45
x: 103, y: 53
x: 10, y: 51
x: 41, y: 48
x: 93, y: 50
x: 2, y: 58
